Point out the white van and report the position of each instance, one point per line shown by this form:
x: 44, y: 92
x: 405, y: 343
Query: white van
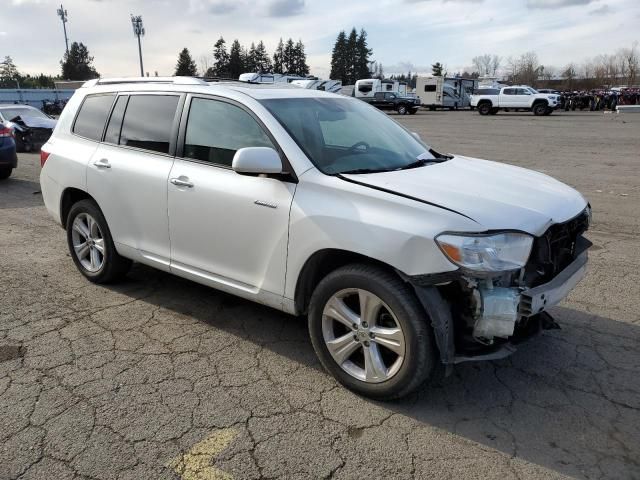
x: 441, y: 92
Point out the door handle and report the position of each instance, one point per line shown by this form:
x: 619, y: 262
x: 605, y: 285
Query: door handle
x: 181, y: 182
x: 102, y: 163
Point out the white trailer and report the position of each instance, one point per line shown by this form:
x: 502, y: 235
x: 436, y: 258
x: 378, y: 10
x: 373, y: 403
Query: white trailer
x: 442, y: 92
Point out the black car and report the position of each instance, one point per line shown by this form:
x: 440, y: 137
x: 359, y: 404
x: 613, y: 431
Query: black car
x: 394, y: 101
x: 31, y: 127
x: 8, y: 157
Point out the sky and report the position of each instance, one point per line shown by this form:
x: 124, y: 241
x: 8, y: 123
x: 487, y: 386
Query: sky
x: 404, y: 34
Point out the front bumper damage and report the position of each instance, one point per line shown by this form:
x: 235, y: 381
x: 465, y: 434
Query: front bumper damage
x: 509, y: 315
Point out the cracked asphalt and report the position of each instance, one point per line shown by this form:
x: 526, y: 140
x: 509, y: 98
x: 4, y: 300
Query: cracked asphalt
x: 160, y: 378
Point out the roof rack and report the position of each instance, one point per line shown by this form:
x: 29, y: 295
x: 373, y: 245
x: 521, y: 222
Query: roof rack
x: 138, y: 80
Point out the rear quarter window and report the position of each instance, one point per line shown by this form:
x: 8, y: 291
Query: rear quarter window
x: 92, y: 116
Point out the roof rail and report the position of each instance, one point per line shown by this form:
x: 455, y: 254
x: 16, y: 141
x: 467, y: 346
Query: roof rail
x: 138, y: 80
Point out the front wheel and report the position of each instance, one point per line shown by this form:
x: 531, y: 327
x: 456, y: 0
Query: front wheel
x: 539, y: 109
x: 371, y: 333
x: 413, y: 111
x: 402, y: 110
x: 91, y: 245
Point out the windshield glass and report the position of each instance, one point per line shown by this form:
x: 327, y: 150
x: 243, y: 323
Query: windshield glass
x: 347, y: 135
x: 532, y: 90
x: 13, y: 112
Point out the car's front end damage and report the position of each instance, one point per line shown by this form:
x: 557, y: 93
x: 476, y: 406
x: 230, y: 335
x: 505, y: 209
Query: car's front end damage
x: 504, y: 285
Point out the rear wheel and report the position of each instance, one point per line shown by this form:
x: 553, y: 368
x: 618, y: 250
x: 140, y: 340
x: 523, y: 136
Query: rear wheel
x: 91, y: 245
x: 484, y: 108
x: 369, y: 330
x: 494, y: 111
x: 5, y: 172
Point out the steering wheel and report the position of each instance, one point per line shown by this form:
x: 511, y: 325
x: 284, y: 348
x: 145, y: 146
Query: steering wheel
x: 356, y: 147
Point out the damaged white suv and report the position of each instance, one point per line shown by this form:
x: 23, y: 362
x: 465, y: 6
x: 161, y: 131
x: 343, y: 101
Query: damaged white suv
x: 406, y: 261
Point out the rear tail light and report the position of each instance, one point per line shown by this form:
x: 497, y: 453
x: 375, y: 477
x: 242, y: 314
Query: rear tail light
x: 43, y: 157
x: 5, y: 132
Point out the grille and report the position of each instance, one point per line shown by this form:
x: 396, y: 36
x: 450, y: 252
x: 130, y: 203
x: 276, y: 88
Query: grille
x: 554, y: 250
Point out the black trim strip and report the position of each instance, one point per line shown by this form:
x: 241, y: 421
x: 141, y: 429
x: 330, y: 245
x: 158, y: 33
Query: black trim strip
x: 350, y: 180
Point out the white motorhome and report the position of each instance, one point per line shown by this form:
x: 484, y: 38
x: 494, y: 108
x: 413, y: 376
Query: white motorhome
x: 442, y: 92
x: 368, y: 87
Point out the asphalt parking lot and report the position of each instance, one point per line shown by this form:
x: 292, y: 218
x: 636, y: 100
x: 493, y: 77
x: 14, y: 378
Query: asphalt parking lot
x: 160, y: 378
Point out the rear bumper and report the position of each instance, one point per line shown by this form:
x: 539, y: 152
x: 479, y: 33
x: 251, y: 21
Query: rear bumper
x: 8, y: 156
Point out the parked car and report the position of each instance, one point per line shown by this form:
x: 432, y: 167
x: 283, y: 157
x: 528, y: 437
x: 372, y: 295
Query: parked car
x: 514, y: 98
x: 8, y: 157
x: 405, y: 261
x: 32, y: 128
x: 393, y: 101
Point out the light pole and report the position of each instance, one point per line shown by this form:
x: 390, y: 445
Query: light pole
x: 62, y: 13
x: 138, y: 31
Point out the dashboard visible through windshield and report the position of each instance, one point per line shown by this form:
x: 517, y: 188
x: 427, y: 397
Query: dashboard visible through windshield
x: 347, y: 135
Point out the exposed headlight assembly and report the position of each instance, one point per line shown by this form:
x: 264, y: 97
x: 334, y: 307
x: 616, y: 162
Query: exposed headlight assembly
x: 499, y: 252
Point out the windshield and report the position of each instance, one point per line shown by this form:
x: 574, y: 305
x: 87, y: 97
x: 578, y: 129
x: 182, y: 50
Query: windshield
x: 347, y: 135
x: 13, y: 112
x: 532, y: 90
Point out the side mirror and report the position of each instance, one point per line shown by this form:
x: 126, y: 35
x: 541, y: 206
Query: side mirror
x: 257, y: 160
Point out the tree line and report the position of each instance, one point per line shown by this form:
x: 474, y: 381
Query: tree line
x: 351, y: 58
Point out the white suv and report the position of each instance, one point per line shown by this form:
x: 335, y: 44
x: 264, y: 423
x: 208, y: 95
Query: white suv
x: 406, y: 261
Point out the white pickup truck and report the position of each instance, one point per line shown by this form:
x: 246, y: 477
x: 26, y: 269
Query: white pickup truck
x: 489, y: 101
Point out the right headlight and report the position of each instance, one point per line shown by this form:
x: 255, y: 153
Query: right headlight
x: 499, y: 252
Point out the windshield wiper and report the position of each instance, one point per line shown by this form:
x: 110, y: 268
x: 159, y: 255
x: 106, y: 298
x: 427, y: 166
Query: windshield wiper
x: 421, y: 162
x: 365, y: 170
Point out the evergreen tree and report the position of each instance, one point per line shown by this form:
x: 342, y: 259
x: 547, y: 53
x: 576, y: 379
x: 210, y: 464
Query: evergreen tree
x: 352, y: 55
x: 339, y: 59
x: 76, y: 65
x: 261, y: 58
x: 300, y: 63
x: 185, y: 67
x: 250, y: 63
x: 436, y: 69
x: 221, y: 65
x: 278, y: 58
x: 236, y: 63
x: 363, y: 52
x: 288, y: 59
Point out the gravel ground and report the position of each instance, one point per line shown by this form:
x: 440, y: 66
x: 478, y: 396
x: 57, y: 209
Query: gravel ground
x: 160, y: 378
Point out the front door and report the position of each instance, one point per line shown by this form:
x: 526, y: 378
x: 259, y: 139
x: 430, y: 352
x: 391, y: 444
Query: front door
x: 228, y: 230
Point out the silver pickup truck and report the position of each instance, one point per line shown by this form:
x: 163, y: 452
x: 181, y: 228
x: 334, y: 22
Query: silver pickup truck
x: 489, y: 101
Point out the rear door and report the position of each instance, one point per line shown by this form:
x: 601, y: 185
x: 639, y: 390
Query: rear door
x: 128, y: 173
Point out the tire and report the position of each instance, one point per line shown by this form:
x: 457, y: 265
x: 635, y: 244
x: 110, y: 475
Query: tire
x: 398, y: 375
x: 105, y: 267
x: 549, y: 111
x: 413, y: 111
x: 402, y: 110
x: 5, y: 172
x: 539, y: 109
x: 484, y: 108
x: 494, y: 111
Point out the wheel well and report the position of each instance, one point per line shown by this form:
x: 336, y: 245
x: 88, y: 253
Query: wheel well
x: 319, y: 265
x: 538, y: 102
x: 70, y: 197
x: 485, y: 102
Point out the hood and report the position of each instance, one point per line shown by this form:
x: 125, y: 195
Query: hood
x: 34, y: 122
x: 495, y: 195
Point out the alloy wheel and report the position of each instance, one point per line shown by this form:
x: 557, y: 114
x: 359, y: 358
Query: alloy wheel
x: 363, y: 335
x: 88, y: 242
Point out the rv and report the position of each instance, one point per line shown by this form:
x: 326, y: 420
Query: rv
x: 368, y: 87
x: 442, y: 92
x: 310, y: 82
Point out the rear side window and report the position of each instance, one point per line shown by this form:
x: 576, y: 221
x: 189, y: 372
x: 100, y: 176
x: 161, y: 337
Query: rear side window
x: 216, y: 130
x: 429, y: 88
x: 148, y: 122
x: 115, y: 122
x: 92, y: 116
